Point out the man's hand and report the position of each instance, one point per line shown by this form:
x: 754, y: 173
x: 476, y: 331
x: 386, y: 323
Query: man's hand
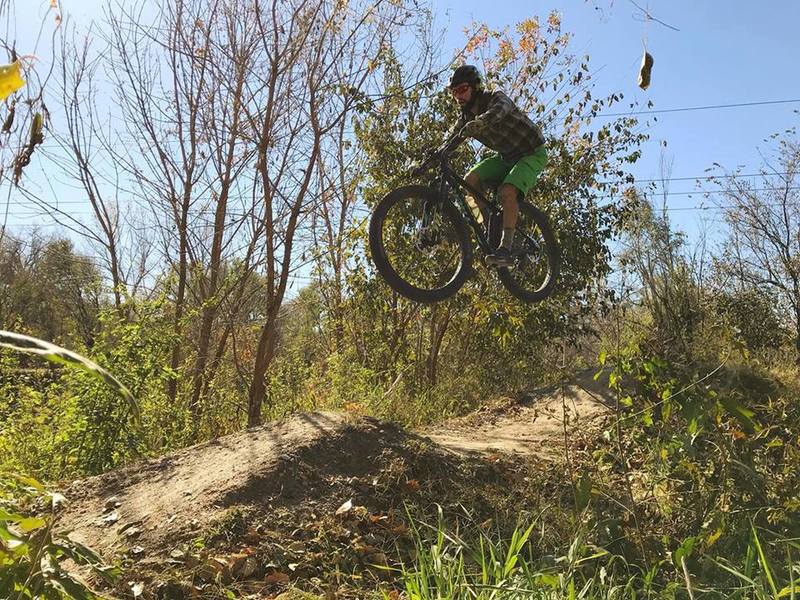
x: 472, y: 128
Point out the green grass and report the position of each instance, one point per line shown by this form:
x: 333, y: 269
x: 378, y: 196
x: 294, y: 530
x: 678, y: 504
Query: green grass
x: 449, y: 567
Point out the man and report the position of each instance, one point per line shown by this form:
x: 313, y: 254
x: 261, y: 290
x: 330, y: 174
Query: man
x: 493, y: 119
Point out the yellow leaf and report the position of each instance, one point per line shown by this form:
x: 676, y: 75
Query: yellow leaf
x: 10, y: 79
x: 31, y: 523
x: 713, y: 537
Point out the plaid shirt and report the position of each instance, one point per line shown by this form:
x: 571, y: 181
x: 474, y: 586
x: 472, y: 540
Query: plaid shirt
x: 503, y: 127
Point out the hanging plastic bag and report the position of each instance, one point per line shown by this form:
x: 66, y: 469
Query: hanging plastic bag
x: 644, y: 70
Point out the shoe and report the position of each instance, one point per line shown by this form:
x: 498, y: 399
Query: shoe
x: 500, y: 258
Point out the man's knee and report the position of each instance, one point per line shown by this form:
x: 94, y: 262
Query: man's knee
x: 508, y: 193
x: 473, y: 180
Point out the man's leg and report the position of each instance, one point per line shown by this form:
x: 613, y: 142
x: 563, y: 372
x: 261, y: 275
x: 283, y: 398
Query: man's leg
x: 501, y: 257
x: 516, y: 184
x: 476, y: 204
x: 489, y: 172
x: 508, y: 195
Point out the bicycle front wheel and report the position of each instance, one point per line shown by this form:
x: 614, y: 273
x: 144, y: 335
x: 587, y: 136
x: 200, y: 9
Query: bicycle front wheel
x: 420, y: 244
x: 537, y: 261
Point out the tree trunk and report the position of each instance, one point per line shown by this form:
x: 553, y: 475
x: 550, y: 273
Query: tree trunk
x: 258, y: 387
x: 797, y: 334
x: 177, y: 325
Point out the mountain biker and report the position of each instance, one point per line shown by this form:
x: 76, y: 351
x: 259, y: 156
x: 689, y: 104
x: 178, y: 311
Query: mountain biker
x: 492, y: 118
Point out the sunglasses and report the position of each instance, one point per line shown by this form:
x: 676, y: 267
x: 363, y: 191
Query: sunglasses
x: 459, y: 89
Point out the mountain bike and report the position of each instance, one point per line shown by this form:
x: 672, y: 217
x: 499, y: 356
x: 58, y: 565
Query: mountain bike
x: 421, y: 245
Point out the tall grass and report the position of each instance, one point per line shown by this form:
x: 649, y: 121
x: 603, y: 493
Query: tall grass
x: 449, y: 567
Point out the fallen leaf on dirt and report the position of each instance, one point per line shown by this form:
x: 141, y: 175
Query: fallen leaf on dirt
x: 111, y: 518
x: 132, y: 532
x: 377, y: 559
x: 246, y: 568
x: 136, y: 588
x: 276, y: 577
x: 346, y: 507
x: 412, y: 485
x: 378, y: 518
x: 252, y: 536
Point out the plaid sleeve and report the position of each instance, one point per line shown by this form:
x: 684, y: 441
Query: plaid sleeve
x: 500, y: 105
x: 453, y: 131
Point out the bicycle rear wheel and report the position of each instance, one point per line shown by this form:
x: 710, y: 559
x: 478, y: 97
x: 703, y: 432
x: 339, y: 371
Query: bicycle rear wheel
x: 420, y: 244
x: 537, y: 261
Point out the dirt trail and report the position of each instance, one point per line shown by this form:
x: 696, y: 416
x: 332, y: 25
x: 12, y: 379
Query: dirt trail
x: 315, y: 461
x: 531, y: 425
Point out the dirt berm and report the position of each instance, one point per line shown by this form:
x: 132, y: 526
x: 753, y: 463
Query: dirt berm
x: 321, y: 464
x: 319, y: 501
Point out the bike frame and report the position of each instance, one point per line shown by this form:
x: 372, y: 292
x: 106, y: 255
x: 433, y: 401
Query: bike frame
x: 450, y: 185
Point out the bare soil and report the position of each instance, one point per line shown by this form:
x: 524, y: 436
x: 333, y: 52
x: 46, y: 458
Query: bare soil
x: 292, y: 494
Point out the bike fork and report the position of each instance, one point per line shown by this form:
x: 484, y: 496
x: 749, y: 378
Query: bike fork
x: 426, y: 236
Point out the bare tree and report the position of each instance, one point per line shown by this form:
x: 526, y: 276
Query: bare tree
x: 226, y: 109
x: 309, y: 96
x: 763, y: 249
x: 183, y: 85
x: 85, y: 155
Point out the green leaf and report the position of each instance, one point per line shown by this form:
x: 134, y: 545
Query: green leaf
x: 684, y: 550
x: 548, y: 579
x: 762, y: 559
x: 583, y: 492
x: 13, y: 517
x: 733, y: 571
x: 742, y: 414
x: 613, y: 379
x: 29, y: 481
x: 57, y: 354
x: 72, y: 588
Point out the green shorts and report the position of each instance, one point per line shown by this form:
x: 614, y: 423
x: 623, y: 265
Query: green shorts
x: 494, y: 171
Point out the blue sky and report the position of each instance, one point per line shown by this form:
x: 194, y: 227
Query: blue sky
x: 723, y: 53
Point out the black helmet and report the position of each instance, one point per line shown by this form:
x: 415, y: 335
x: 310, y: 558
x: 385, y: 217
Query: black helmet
x: 466, y: 74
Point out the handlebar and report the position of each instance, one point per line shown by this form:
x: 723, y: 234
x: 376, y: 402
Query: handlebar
x: 438, y: 154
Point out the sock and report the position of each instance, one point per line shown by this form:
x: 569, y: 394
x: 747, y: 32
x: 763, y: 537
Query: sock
x: 508, y: 237
x: 477, y: 212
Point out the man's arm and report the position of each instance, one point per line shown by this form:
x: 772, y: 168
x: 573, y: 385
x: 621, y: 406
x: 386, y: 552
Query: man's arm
x: 499, y: 106
x: 455, y: 130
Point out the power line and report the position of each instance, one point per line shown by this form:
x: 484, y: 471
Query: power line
x: 691, y: 108
x: 44, y: 205
x: 122, y: 143
x: 706, y: 177
x: 698, y: 192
